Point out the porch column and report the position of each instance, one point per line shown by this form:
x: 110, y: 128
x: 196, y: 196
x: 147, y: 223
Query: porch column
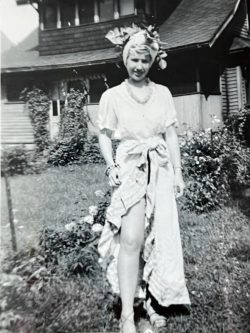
x: 198, y: 84
x: 116, y: 10
x: 77, y: 20
x: 41, y: 15
x: 58, y: 23
x: 96, y: 12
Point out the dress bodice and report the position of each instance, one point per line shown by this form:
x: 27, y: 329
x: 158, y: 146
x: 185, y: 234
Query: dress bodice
x: 129, y: 119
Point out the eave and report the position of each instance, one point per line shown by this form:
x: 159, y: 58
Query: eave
x: 33, y: 62
x: 198, y: 24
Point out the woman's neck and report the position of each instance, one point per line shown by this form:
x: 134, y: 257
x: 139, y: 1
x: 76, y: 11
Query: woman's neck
x: 138, y: 84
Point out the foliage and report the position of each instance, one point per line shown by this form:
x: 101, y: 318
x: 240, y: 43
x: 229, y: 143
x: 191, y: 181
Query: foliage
x: 73, y: 251
x: 20, y: 161
x: 102, y: 206
x: 38, y: 105
x: 15, y: 161
x: 34, y: 299
x: 68, y: 252
x: 236, y: 123
x: 214, y: 162
x: 92, y: 152
x: 69, y: 146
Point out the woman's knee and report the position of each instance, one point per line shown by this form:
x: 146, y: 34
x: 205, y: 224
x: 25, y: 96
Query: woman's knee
x: 130, y: 243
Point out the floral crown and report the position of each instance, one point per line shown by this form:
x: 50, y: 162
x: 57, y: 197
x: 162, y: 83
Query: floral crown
x: 120, y: 37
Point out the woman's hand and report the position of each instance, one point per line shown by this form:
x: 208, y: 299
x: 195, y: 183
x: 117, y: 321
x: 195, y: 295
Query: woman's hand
x: 114, y: 177
x: 179, y: 184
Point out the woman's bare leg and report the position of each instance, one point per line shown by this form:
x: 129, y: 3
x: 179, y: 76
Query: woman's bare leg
x: 131, y: 239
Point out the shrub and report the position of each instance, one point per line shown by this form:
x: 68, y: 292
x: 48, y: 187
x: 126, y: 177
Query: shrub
x: 71, y: 252
x: 92, y: 152
x: 214, y: 162
x: 102, y: 206
x: 15, y: 161
x: 20, y: 161
x: 69, y: 146
x: 38, y: 105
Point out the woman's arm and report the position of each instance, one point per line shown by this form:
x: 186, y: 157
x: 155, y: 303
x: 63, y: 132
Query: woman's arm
x: 106, y: 151
x: 174, y: 150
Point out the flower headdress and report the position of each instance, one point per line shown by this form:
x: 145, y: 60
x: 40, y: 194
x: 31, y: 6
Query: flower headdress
x: 122, y: 37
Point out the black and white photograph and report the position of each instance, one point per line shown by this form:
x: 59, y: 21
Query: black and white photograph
x: 125, y: 166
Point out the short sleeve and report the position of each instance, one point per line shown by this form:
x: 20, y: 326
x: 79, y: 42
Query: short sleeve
x: 171, y: 114
x: 106, y: 113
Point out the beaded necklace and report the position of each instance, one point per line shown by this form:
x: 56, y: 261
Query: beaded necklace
x: 138, y: 100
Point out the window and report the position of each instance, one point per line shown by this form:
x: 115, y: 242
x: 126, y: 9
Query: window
x: 126, y: 7
x: 14, y: 89
x: 50, y: 14
x: 54, y: 108
x: 210, y: 79
x: 77, y: 85
x: 96, y: 88
x: 67, y: 8
x: 181, y: 80
x: 106, y: 10
x: 86, y: 11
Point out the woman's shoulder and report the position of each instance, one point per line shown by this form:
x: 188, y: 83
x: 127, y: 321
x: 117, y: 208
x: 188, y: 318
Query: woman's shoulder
x: 113, y: 91
x: 162, y: 88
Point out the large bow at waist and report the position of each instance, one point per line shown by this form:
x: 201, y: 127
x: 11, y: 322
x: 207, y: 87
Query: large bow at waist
x: 152, y: 153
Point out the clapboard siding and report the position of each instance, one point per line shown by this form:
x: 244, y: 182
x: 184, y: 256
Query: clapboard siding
x: 245, y: 29
x: 188, y: 109
x: 80, y: 38
x: 239, y: 24
x: 15, y: 124
x: 233, y: 90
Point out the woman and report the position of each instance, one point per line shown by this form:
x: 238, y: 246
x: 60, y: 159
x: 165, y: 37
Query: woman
x: 145, y: 177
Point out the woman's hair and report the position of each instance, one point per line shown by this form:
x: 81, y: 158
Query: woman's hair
x: 141, y: 49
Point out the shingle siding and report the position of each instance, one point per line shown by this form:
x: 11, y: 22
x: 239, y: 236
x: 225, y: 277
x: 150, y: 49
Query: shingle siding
x: 80, y: 38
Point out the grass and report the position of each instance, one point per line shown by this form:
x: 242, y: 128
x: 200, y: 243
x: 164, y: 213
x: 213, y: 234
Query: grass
x: 53, y: 198
x: 216, y: 253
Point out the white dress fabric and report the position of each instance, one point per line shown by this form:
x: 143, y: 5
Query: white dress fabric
x: 146, y: 172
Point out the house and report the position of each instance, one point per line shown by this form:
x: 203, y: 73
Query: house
x: 208, y: 50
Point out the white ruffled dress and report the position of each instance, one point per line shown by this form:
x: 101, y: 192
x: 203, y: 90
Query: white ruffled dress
x: 146, y: 172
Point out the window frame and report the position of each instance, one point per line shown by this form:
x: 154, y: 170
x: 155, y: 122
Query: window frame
x: 119, y: 8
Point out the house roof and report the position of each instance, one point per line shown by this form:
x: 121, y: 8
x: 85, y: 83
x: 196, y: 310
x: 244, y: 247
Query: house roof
x: 193, y: 23
x: 31, y: 61
x: 197, y: 22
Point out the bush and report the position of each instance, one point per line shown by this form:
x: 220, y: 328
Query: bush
x: 38, y: 106
x: 102, y: 206
x: 214, y: 163
x: 15, y: 161
x: 69, y: 146
x: 20, y: 161
x: 67, y: 250
x: 92, y: 152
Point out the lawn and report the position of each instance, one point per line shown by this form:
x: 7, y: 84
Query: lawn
x: 216, y: 253
x: 54, y: 198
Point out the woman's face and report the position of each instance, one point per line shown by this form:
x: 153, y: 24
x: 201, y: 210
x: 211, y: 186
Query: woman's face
x: 138, y: 65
